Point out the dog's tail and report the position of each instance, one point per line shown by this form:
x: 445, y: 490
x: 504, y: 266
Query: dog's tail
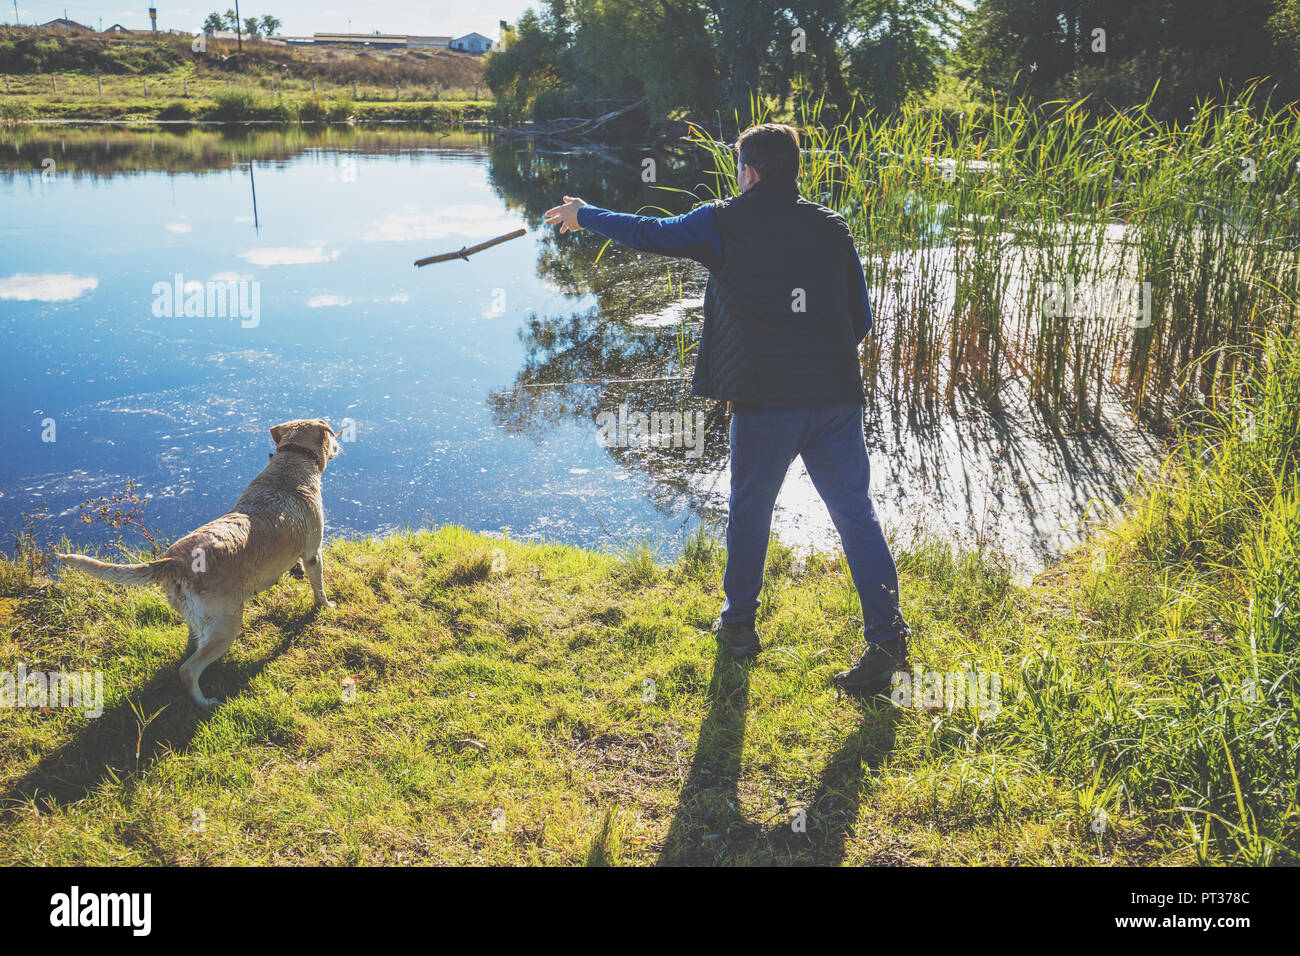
x: 149, y: 572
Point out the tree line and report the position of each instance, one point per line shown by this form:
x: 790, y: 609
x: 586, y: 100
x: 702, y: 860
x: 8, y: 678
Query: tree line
x: 252, y: 26
x: 705, y: 57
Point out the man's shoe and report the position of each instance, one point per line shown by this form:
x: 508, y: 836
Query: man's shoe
x: 874, y: 671
x: 739, y: 637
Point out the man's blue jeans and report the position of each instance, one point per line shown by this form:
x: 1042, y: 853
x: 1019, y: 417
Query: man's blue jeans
x: 763, y: 446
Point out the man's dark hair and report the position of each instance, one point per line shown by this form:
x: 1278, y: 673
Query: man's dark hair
x: 772, y: 149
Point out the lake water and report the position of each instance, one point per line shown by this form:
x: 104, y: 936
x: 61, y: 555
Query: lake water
x: 455, y: 382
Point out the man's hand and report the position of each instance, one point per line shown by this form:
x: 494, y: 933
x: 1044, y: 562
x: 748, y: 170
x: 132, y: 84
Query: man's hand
x: 566, y: 216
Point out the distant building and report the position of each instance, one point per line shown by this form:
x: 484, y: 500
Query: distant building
x: 428, y: 43
x: 472, y: 43
x: 68, y: 26
x: 384, y: 40
x: 118, y: 28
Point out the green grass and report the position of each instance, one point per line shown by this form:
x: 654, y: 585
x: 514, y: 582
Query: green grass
x: 544, y: 665
x: 243, y: 103
x: 533, y: 703
x: 95, y: 79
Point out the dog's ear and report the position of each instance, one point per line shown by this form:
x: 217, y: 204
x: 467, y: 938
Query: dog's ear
x: 277, y: 432
x: 328, y: 446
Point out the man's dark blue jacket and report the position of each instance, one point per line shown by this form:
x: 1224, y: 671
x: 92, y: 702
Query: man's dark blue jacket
x: 786, y: 303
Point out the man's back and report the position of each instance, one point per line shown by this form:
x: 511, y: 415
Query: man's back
x: 785, y: 307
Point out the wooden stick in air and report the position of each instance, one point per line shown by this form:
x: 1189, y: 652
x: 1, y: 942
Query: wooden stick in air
x: 466, y: 251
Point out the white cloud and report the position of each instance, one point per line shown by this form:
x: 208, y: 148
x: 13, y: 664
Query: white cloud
x: 326, y: 300
x: 46, y: 286
x: 290, y: 255
x: 231, y: 277
x: 178, y: 227
x: 463, y: 222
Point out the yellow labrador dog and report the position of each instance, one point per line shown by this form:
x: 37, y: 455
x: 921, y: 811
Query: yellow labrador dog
x: 277, y: 522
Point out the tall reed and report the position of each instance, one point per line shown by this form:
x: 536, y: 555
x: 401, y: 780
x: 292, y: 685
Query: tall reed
x: 1027, y: 242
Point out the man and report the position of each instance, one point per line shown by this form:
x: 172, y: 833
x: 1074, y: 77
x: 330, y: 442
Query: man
x: 785, y: 311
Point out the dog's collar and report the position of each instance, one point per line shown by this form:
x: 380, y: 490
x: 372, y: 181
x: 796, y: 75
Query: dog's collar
x: 315, y: 456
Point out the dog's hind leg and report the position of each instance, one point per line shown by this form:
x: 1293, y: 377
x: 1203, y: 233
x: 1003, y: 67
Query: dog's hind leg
x: 316, y: 574
x: 221, y: 630
x: 177, y: 598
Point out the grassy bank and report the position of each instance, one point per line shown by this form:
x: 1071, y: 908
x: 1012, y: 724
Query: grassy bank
x: 102, y: 77
x: 470, y: 700
x: 238, y: 107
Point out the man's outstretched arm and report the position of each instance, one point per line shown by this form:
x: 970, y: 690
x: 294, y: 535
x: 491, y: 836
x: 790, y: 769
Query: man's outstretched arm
x: 693, y: 235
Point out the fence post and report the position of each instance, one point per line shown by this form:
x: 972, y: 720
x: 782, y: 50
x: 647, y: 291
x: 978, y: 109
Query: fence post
x: 54, y: 83
x: 7, y: 90
x: 99, y: 84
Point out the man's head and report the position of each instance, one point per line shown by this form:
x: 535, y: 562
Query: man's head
x: 770, y: 152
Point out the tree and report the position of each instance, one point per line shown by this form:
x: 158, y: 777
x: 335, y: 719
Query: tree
x: 710, y: 58
x: 270, y: 25
x: 214, y: 23
x: 1116, y: 50
x: 232, y: 20
x: 251, y: 26
x: 899, y: 47
x: 525, y: 66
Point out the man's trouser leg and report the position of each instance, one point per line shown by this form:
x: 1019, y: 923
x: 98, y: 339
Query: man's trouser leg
x: 763, y: 445
x: 835, y: 454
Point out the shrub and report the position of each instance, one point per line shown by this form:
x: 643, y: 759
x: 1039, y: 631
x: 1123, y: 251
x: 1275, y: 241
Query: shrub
x: 236, y: 104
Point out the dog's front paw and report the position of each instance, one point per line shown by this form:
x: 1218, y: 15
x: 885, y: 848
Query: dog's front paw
x: 208, y: 703
x: 326, y: 603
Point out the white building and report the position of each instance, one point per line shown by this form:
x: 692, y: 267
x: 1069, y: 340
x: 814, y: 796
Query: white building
x: 472, y: 43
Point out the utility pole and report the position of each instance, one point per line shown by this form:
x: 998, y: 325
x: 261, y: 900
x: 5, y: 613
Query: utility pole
x: 16, y: 23
x: 239, y: 35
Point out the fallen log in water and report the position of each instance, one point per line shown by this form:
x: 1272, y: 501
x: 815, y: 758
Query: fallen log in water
x: 616, y: 124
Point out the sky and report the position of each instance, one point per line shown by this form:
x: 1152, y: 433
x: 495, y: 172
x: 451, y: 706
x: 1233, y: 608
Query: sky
x: 300, y: 17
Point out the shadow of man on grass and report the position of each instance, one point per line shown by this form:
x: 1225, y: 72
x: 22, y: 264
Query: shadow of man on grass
x: 832, y: 810
x: 709, y: 827
x: 708, y: 820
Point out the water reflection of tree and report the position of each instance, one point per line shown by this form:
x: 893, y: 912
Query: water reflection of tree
x: 103, y: 153
x: 532, y: 180
x: 606, y: 344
